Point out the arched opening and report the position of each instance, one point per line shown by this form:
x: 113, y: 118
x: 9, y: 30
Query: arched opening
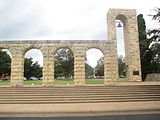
x: 64, y: 67
x: 121, y: 36
x: 94, y: 66
x: 5, y: 67
x: 33, y: 67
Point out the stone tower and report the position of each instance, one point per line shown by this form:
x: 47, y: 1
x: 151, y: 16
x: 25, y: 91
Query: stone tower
x: 132, y: 52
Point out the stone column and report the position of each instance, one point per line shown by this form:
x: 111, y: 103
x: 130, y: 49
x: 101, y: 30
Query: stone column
x: 110, y: 65
x: 17, y: 67
x: 133, y: 59
x: 111, y: 58
x: 79, y: 68
x: 48, y: 68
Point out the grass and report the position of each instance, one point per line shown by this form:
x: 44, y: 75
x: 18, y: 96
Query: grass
x: 4, y: 82
x: 33, y: 82
x: 94, y: 81
x: 63, y: 82
x: 122, y: 80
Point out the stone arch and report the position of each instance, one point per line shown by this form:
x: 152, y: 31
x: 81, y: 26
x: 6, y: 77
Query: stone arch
x: 1, y: 48
x: 60, y: 47
x: 96, y: 75
x: 123, y: 20
x: 128, y: 17
x: 6, y: 73
x: 26, y: 49
x: 122, y: 17
x: 95, y: 47
x: 7, y: 48
x: 70, y: 69
x: 36, y: 50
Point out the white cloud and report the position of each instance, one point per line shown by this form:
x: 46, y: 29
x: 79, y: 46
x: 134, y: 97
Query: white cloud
x: 36, y: 55
x: 64, y: 19
x: 93, y: 55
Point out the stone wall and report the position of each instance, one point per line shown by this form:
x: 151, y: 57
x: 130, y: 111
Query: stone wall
x: 79, y: 48
x: 153, y: 77
x: 49, y: 48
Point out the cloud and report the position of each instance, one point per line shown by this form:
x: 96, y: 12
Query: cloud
x: 60, y: 19
x: 19, y: 20
x: 93, y: 55
x: 36, y: 54
x: 63, y: 19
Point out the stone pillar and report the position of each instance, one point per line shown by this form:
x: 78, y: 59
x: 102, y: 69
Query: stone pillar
x: 17, y: 68
x: 133, y: 59
x: 110, y: 65
x: 111, y: 58
x: 79, y: 68
x: 48, y: 68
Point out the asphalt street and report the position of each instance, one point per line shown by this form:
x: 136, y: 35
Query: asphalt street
x: 108, y: 117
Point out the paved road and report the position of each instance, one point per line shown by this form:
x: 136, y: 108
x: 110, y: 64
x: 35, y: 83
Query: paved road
x: 109, y: 117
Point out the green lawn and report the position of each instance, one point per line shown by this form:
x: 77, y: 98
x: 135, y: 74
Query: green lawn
x: 63, y: 82
x: 33, y: 82
x: 122, y: 80
x: 94, y: 81
x: 4, y: 82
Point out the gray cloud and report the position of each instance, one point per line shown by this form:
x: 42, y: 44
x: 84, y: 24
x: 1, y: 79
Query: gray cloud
x: 20, y: 21
x: 99, y: 35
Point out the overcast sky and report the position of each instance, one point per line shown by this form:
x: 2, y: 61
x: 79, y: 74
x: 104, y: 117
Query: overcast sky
x: 64, y: 19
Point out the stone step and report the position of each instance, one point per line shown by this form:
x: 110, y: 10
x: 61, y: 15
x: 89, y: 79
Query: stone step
x: 30, y: 90
x: 77, y: 98
x: 80, y: 88
x: 74, y: 95
x: 88, y: 87
x: 79, y: 95
x: 78, y: 101
x: 85, y: 94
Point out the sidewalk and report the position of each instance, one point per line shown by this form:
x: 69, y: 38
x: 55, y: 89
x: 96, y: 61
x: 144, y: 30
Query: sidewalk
x: 79, y: 109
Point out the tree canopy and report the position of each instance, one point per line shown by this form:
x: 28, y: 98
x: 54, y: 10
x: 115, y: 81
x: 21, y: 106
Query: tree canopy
x: 121, y: 66
x: 32, y: 69
x: 149, y: 46
x: 5, y: 63
x: 88, y: 70
x: 100, y: 67
x: 64, y: 63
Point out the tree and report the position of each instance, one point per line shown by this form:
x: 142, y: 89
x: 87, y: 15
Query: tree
x: 5, y: 63
x: 144, y: 46
x: 37, y: 70
x: 32, y: 69
x: 154, y: 36
x: 64, y: 63
x: 121, y: 66
x: 100, y: 67
x: 155, y: 33
x: 88, y: 70
x: 149, y: 47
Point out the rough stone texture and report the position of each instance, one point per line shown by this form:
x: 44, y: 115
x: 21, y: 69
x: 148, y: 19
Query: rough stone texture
x: 128, y: 17
x: 153, y: 77
x: 79, y: 48
x: 48, y: 48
